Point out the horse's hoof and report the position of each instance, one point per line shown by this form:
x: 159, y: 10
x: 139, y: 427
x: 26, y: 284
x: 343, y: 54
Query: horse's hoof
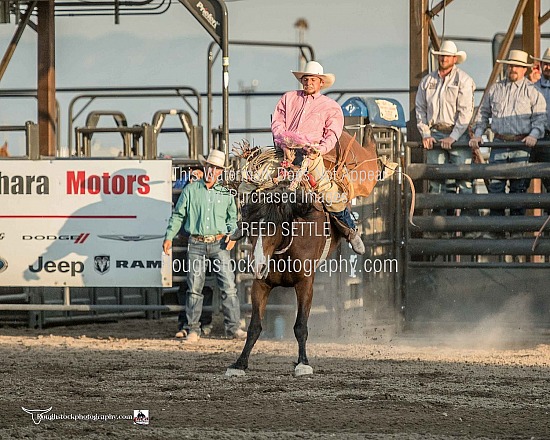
x: 302, y: 370
x: 234, y: 372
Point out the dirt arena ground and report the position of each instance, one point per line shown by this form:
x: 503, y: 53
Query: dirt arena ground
x: 403, y: 387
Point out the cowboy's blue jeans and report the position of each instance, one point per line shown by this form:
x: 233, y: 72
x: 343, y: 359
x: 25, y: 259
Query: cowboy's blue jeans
x: 455, y: 156
x: 345, y: 217
x: 497, y: 186
x: 201, y: 257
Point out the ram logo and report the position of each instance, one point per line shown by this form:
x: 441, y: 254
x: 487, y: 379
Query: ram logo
x: 102, y: 263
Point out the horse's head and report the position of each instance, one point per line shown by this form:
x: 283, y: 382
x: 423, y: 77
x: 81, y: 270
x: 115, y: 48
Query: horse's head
x: 269, y: 221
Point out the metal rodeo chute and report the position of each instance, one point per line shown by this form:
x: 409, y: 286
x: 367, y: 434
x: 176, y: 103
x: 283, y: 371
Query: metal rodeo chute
x: 212, y: 15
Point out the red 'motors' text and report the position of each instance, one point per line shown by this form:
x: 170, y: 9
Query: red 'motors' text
x: 80, y: 183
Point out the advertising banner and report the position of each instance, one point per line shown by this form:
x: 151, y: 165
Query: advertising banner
x: 209, y: 14
x: 84, y: 223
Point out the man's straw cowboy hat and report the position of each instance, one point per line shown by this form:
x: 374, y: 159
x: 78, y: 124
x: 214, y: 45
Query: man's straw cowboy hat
x: 449, y: 48
x: 313, y: 68
x: 215, y: 157
x: 545, y: 58
x: 516, y: 58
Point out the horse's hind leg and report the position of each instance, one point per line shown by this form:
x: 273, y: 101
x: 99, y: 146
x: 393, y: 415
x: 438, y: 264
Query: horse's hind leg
x: 304, y: 295
x: 260, y: 293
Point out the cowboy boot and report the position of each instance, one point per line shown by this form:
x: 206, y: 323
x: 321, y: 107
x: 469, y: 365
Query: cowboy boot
x: 344, y: 222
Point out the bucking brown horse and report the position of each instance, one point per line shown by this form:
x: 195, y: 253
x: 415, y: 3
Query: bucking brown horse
x: 288, y: 254
x: 287, y: 257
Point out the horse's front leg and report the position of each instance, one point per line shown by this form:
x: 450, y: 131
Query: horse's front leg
x: 304, y: 296
x: 260, y: 293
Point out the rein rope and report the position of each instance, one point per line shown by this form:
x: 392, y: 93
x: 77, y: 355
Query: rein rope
x: 539, y: 234
x: 328, y: 242
x: 282, y: 251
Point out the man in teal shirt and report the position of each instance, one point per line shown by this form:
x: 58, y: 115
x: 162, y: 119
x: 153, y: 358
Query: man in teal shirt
x: 208, y: 213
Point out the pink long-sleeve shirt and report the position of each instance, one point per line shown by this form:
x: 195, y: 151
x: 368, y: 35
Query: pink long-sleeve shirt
x: 317, y: 117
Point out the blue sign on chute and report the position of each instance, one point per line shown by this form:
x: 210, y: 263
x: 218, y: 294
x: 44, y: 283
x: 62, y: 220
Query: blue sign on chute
x: 355, y: 107
x: 380, y: 111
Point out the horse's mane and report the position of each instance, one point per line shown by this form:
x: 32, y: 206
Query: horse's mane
x: 286, y: 206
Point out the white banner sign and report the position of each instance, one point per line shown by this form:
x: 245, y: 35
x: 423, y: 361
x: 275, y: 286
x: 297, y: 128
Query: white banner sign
x: 84, y: 223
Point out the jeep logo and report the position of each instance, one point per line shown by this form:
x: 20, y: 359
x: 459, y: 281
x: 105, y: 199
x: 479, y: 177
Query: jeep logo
x: 73, y: 267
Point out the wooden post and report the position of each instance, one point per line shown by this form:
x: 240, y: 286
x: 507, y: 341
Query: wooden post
x: 503, y: 51
x: 15, y: 39
x: 47, y: 123
x: 434, y: 38
x: 418, y: 57
x: 531, y: 45
x: 531, y: 28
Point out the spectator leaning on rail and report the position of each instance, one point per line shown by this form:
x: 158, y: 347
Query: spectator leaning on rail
x: 444, y: 108
x: 319, y: 120
x: 518, y: 114
x: 208, y: 214
x: 543, y: 85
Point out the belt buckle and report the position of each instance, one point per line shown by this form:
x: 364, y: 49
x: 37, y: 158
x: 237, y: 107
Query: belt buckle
x: 209, y: 238
x: 443, y: 128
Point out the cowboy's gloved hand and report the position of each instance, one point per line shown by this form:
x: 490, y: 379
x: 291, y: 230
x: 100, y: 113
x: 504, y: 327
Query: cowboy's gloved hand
x: 446, y: 143
x: 428, y: 143
x: 229, y: 244
x: 475, y: 142
x: 530, y: 141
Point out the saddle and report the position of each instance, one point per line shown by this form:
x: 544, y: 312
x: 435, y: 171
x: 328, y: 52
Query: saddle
x: 355, y: 166
x: 352, y: 166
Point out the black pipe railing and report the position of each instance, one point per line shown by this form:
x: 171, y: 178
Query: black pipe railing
x: 480, y: 201
x: 438, y: 223
x: 452, y: 234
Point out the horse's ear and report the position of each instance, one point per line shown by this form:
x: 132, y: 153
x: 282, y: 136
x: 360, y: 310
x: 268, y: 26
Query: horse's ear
x: 368, y: 138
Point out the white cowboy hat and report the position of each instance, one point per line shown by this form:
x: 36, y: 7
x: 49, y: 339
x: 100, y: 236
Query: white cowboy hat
x: 449, y: 48
x: 516, y: 58
x: 545, y: 58
x: 215, y: 157
x: 313, y: 68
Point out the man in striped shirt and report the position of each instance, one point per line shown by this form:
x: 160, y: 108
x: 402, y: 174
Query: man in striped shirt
x: 518, y: 114
x: 543, y: 85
